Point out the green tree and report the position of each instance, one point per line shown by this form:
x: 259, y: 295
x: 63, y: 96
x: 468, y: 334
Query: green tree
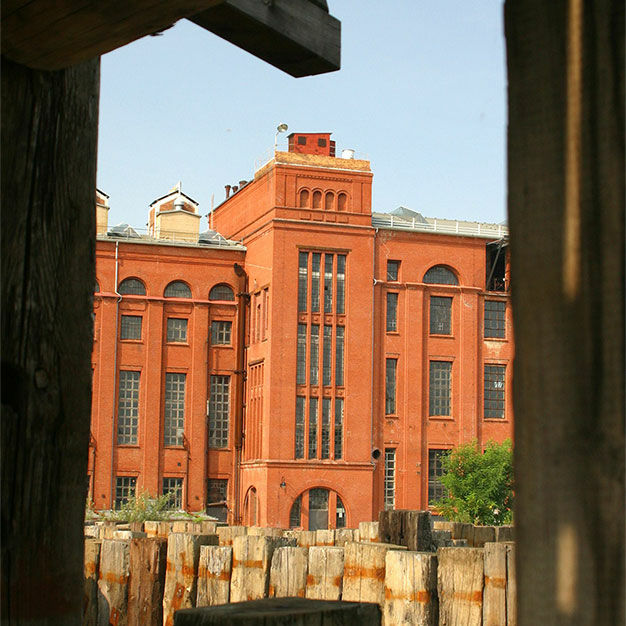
x: 480, y: 485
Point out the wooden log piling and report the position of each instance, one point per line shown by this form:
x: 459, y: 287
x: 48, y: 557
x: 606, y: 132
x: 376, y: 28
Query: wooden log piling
x: 90, y: 598
x: 288, y: 572
x: 148, y: 559
x: 325, y: 577
x: 368, y: 531
x: 214, y: 572
x: 113, y: 582
x: 325, y: 537
x: 494, y: 594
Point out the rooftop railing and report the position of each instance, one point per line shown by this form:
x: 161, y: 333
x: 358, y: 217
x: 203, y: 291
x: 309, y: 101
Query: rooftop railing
x: 453, y: 227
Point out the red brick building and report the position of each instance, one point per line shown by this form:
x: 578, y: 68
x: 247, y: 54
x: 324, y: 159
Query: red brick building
x: 307, y: 366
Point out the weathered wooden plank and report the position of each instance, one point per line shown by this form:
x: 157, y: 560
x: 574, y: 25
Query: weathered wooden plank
x: 113, y: 582
x: 494, y: 594
x: 344, y: 535
x: 408, y: 528
x: 306, y: 538
x: 483, y: 535
x: 511, y: 586
x: 505, y: 533
x: 460, y: 586
x: 151, y: 528
x: 214, y: 572
x: 252, y: 557
x: 90, y: 598
x: 368, y: 531
x: 467, y: 533
x: 441, y: 539
x: 226, y: 534
x: 283, y: 612
x: 364, y: 571
x: 208, y: 527
x: 410, y: 588
x: 264, y: 531
x: 129, y: 534
x: 325, y: 577
x: 288, y: 573
x: 325, y: 537
x: 48, y: 156
x: 148, y: 561
x: 455, y: 528
x: 181, y: 578
x: 165, y: 528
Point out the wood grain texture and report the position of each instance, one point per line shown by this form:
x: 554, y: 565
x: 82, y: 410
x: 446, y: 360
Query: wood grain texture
x: 566, y: 210
x: 214, y: 572
x: 113, y: 582
x: 325, y: 577
x: 288, y: 573
x: 148, y: 559
x: 49, y: 134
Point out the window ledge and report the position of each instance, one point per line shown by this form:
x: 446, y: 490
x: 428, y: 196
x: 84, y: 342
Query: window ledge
x: 498, y: 420
x: 441, y: 336
x: 441, y: 418
x: 500, y: 339
x: 177, y: 343
x: 393, y: 332
x: 131, y: 340
x: 128, y: 445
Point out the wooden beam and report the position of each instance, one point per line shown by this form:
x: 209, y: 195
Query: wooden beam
x: 296, y: 36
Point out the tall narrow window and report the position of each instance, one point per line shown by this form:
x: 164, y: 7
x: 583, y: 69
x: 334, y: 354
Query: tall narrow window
x: 436, y: 490
x: 301, y: 355
x: 315, y: 281
x: 295, y: 515
x: 326, y: 404
x: 303, y: 264
x: 219, y: 411
x: 390, y: 478
x: 327, y: 355
x: 495, y: 321
x: 342, y: 202
x: 339, y: 350
x: 125, y: 488
x: 439, y: 389
x: 176, y: 330
x: 340, y: 514
x: 390, y: 386
x: 317, y: 199
x: 341, y: 284
x: 220, y: 332
x: 304, y: 198
x: 174, y: 422
x: 313, y: 410
x: 130, y: 327
x: 329, y: 201
x: 494, y: 391
x: 128, y: 408
x: 440, y: 315
x: 314, y: 365
x: 392, y: 270
x: 328, y: 283
x: 173, y: 487
x: 392, y: 312
x: 299, y: 451
x: 338, y: 428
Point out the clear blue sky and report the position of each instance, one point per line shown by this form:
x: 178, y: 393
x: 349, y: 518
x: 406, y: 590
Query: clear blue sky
x: 421, y: 93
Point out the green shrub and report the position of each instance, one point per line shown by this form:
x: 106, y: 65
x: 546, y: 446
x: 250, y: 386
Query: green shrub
x: 144, y: 507
x: 480, y: 485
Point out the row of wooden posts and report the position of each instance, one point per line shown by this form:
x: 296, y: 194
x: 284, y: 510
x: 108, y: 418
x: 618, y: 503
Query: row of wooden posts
x: 144, y: 577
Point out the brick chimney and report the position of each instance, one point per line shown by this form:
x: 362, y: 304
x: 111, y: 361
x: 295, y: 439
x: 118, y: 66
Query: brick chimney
x: 102, y: 212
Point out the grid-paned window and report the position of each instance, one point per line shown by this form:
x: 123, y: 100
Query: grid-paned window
x: 339, y: 352
x: 221, y: 292
x: 338, y: 428
x: 495, y: 320
x: 314, y: 369
x: 326, y: 404
x: 299, y: 449
x: 391, y: 366
x: 131, y: 287
x: 440, y: 315
x: 390, y: 478
x: 439, y: 388
x: 295, y: 515
x: 174, y: 422
x: 125, y: 489
x: 216, y: 498
x: 328, y: 283
x: 341, y: 284
x: 176, y: 330
x: 130, y: 327
x: 392, y: 312
x: 173, y: 487
x: 303, y: 262
x: 315, y: 281
x: 219, y: 411
x: 327, y: 355
x: 393, y: 268
x: 494, y: 391
x: 440, y: 275
x: 177, y: 289
x: 436, y: 490
x: 301, y: 355
x: 128, y: 408
x: 313, y: 410
x: 221, y: 333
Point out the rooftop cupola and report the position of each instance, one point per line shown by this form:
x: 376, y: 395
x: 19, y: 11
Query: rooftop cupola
x: 174, y: 217
x: 102, y: 212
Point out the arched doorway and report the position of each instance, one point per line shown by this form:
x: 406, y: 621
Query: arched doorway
x: 318, y: 509
x: 250, y: 507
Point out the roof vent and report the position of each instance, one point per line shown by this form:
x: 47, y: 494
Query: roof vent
x: 347, y: 153
x: 179, y: 203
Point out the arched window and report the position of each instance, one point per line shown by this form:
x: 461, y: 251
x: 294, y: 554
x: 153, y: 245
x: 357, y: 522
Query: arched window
x: 342, y: 202
x: 329, y: 201
x: 317, y: 199
x: 221, y: 292
x: 340, y: 515
x: 304, y: 197
x: 295, y: 515
x: 177, y: 289
x: 440, y: 275
x: 132, y: 287
x: 96, y: 288
x: 250, y: 507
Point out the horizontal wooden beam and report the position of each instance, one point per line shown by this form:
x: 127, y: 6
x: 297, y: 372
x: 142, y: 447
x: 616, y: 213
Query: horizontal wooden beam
x: 296, y: 36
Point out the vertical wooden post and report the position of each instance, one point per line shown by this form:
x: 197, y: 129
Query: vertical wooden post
x: 494, y: 595
x: 214, y: 572
x: 566, y: 216
x: 49, y: 141
x: 92, y: 566
x: 113, y: 582
x: 148, y: 558
x: 325, y: 577
x: 288, y: 573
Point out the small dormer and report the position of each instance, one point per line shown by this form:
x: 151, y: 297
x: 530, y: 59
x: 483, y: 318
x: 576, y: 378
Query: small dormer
x: 175, y: 217
x: 312, y: 143
x: 102, y: 212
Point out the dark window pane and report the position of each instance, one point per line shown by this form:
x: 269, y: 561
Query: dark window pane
x: 494, y: 391
x: 338, y: 428
x: 314, y: 365
x: 221, y: 292
x: 390, y: 478
x: 341, y: 284
x: 177, y: 289
x: 339, y: 355
x: 327, y: 355
x: 439, y: 389
x: 495, y: 321
x: 440, y: 315
x: 390, y: 386
x: 130, y: 327
x: 295, y: 515
x: 392, y: 312
x: 128, y: 408
x: 125, y: 488
x: 131, y: 287
x: 303, y: 262
x: 392, y: 270
x: 328, y: 283
x: 299, y: 447
x: 313, y: 410
x: 176, y: 330
x: 219, y: 411
x: 326, y: 404
x: 440, y: 275
x: 174, y: 488
x: 174, y: 413
x: 436, y: 490
x: 221, y: 332
x: 301, y: 355
x: 315, y: 281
